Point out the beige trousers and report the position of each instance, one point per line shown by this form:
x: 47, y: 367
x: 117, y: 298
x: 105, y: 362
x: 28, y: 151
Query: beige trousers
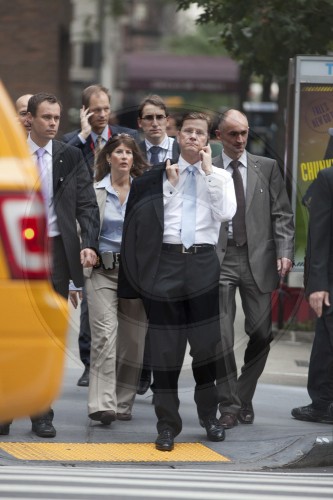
x: 118, y: 328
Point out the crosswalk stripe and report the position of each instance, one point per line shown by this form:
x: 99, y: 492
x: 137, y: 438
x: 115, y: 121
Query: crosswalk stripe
x: 59, y: 482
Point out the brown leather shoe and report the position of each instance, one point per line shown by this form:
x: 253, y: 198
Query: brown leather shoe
x: 246, y: 414
x: 228, y: 420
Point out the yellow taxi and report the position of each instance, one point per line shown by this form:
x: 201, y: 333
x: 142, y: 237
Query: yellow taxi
x: 34, y: 318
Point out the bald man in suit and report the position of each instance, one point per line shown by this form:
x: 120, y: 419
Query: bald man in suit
x: 254, y: 259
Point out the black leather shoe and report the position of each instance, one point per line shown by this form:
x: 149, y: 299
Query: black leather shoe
x: 105, y: 417
x: 84, y: 379
x: 215, y: 431
x: 246, y: 414
x: 4, y: 429
x: 42, y: 426
x: 143, y: 386
x: 164, y: 441
x: 310, y: 414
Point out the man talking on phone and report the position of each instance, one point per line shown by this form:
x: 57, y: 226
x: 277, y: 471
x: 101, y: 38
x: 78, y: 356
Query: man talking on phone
x: 173, y: 217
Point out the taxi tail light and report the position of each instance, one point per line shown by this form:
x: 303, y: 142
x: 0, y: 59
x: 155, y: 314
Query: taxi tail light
x: 24, y: 237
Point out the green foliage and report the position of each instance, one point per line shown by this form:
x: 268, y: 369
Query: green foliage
x: 264, y: 34
x: 202, y: 42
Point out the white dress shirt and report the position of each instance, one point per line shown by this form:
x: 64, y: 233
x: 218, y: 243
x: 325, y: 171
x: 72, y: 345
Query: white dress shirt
x: 166, y: 149
x: 216, y: 203
x: 46, y: 179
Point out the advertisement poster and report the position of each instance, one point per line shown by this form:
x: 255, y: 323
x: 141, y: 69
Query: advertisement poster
x: 315, y: 152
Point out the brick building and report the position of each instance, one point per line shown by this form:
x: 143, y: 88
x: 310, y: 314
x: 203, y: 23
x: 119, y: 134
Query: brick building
x: 34, y: 47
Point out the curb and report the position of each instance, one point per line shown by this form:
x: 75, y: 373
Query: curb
x: 320, y: 454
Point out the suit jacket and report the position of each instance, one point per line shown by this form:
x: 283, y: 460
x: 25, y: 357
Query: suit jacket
x: 101, y: 195
x: 268, y: 219
x: 74, y: 200
x: 87, y: 149
x: 175, y: 149
x: 319, y: 258
x: 143, y: 235
x: 140, y: 256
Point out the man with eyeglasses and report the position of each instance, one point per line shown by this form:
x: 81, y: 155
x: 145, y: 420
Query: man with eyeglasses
x: 173, y: 217
x: 153, y: 118
x: 94, y: 133
x: 157, y: 147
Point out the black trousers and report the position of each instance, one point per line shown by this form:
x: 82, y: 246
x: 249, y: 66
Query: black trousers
x: 84, y: 339
x: 60, y: 274
x: 185, y: 308
x: 320, y: 379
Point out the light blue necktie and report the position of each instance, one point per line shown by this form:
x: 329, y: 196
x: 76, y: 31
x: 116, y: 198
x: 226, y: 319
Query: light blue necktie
x: 189, y: 208
x: 43, y: 176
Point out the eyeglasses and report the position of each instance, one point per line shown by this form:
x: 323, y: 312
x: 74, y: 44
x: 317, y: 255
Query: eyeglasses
x: 150, y: 118
x: 191, y: 131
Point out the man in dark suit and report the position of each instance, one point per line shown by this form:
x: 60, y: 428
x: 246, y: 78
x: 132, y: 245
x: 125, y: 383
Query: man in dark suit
x: 94, y: 133
x: 319, y: 290
x: 168, y: 258
x: 255, y: 250
x: 95, y: 129
x: 69, y: 197
x: 157, y: 147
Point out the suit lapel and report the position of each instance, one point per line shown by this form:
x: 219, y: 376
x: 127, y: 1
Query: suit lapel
x: 252, y: 178
x: 218, y: 162
x: 58, y: 170
x: 101, y: 195
x: 156, y: 191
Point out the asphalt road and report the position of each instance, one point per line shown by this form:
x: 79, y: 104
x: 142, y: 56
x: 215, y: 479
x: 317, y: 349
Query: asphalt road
x: 274, y: 441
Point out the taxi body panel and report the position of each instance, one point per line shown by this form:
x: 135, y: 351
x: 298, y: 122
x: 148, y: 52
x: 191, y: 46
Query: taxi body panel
x: 34, y: 319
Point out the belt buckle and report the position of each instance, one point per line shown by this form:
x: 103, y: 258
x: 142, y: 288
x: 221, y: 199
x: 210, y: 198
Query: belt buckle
x: 108, y: 260
x: 188, y: 250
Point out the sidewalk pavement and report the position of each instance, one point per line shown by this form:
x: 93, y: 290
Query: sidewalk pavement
x: 275, y: 440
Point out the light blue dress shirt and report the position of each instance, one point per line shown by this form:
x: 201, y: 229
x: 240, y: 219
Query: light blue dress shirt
x: 113, y: 220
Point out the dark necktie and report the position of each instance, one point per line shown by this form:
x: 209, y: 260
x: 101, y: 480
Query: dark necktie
x: 238, y: 221
x: 154, y: 151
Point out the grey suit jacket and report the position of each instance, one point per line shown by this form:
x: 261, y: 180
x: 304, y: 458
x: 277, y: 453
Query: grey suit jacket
x: 74, y: 200
x: 268, y: 218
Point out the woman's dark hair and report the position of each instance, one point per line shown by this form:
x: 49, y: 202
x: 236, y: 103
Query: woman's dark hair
x: 139, y: 163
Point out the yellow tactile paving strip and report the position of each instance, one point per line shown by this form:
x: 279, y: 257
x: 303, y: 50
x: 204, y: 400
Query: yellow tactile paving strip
x: 111, y: 452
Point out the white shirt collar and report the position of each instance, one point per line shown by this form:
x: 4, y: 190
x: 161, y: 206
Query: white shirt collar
x: 226, y: 159
x: 34, y: 147
x: 183, y: 164
x: 164, y: 144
